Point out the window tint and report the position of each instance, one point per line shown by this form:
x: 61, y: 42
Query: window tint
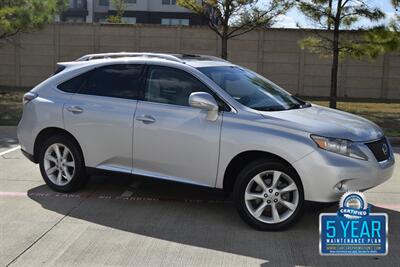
x: 171, y: 86
x: 122, y: 81
x: 73, y: 85
x: 59, y: 69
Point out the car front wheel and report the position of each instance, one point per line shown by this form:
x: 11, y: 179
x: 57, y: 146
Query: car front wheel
x: 269, y: 195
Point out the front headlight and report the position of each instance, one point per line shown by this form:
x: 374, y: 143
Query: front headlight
x: 339, y: 146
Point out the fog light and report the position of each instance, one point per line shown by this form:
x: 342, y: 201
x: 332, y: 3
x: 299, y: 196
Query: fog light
x: 341, y: 186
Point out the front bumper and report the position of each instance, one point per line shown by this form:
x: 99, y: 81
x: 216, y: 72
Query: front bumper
x: 326, y: 175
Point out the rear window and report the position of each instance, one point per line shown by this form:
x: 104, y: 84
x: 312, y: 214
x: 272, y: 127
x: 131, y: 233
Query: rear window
x: 121, y: 81
x: 74, y: 84
x: 59, y: 69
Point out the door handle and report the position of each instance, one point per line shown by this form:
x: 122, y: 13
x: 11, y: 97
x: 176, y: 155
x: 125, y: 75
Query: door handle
x: 75, y: 109
x: 146, y: 119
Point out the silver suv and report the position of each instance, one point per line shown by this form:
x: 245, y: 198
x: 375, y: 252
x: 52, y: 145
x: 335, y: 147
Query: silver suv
x: 199, y: 120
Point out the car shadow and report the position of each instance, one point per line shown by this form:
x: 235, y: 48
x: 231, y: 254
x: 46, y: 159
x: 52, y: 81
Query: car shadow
x: 202, y: 218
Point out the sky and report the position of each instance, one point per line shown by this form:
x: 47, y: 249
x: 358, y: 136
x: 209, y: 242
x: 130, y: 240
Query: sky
x: 293, y: 17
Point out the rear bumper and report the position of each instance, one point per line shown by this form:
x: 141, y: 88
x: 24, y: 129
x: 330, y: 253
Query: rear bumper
x: 321, y: 172
x: 29, y: 156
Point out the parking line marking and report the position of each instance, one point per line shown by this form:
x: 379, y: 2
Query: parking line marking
x: 127, y: 193
x: 9, y: 150
x: 13, y: 194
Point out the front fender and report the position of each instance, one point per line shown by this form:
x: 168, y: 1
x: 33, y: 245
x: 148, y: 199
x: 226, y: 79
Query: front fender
x: 244, y: 134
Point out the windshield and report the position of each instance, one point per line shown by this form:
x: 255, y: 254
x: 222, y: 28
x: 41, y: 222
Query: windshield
x: 251, y: 89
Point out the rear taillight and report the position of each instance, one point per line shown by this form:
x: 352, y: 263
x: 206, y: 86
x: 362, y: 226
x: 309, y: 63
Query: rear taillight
x: 29, y: 97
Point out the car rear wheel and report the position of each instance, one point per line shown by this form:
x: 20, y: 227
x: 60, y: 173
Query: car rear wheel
x: 61, y: 164
x: 269, y: 195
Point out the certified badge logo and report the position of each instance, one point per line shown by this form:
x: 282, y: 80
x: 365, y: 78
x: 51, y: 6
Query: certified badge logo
x: 353, y: 230
x: 353, y: 205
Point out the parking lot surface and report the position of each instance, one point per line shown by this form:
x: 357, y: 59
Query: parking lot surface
x: 121, y: 220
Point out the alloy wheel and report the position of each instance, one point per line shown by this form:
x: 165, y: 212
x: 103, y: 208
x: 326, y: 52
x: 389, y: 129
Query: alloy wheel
x: 59, y: 164
x: 271, y: 196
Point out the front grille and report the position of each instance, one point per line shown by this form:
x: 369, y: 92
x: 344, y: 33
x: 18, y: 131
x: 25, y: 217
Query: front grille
x: 380, y: 149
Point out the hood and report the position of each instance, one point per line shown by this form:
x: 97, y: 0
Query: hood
x: 326, y: 122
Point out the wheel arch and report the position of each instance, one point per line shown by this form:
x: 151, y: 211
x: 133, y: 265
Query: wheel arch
x: 242, y: 159
x: 48, y: 132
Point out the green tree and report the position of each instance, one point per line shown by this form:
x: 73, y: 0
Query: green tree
x: 386, y: 38
x: 395, y: 23
x: 335, y: 16
x: 120, y: 7
x: 396, y: 4
x: 231, y: 18
x: 26, y: 15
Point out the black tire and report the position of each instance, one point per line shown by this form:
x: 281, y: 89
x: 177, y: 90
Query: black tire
x: 247, y: 174
x: 79, y: 177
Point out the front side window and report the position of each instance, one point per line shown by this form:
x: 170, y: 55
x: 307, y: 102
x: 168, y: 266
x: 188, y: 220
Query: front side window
x: 251, y: 89
x: 171, y: 86
x: 121, y: 81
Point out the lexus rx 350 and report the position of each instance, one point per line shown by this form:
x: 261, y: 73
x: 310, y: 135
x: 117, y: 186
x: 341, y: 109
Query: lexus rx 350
x: 199, y: 120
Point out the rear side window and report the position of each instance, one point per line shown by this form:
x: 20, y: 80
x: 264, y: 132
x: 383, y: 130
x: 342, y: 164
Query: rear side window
x: 74, y: 84
x: 121, y: 81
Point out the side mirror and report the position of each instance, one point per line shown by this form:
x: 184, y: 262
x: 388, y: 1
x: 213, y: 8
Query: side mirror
x: 205, y: 101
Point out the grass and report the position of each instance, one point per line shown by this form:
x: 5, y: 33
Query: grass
x: 10, y: 107
x: 386, y: 116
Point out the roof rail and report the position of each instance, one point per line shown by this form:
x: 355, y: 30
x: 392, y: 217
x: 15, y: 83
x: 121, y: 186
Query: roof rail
x: 199, y: 57
x: 129, y: 54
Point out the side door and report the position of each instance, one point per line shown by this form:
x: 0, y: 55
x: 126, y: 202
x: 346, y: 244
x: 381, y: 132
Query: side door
x: 100, y: 115
x: 172, y: 140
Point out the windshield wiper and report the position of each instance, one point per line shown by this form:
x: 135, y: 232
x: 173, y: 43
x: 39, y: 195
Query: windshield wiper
x: 303, y: 105
x: 298, y: 106
x: 268, y: 109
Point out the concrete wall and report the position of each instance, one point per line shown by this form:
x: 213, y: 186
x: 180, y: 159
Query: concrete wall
x: 274, y: 53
